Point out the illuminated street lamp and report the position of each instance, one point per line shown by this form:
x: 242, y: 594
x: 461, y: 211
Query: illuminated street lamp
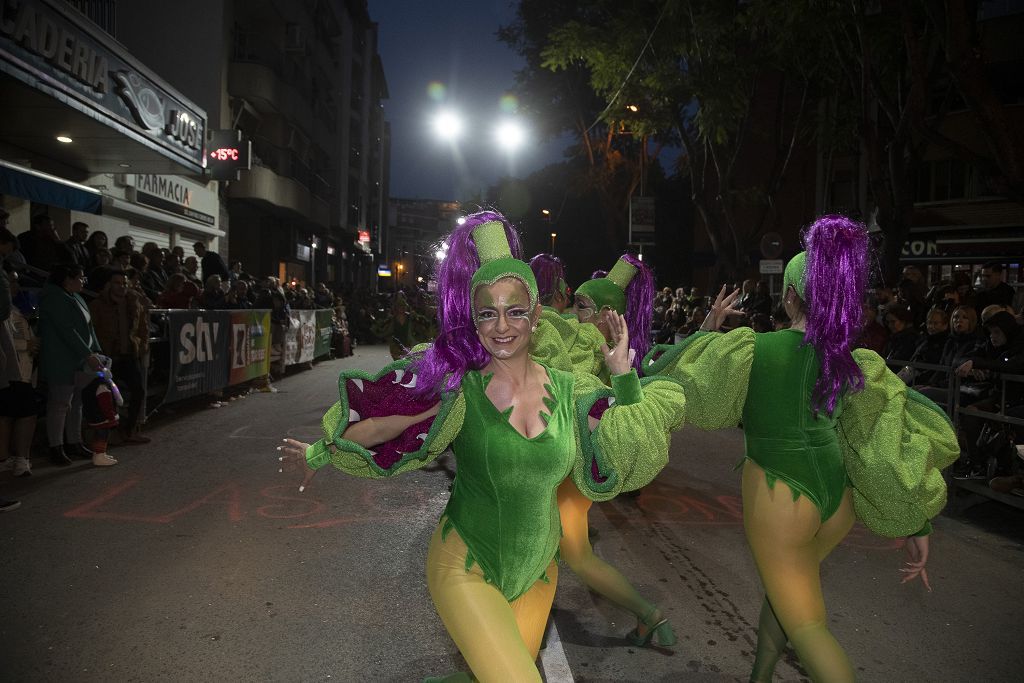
x: 448, y: 125
x: 509, y: 135
x: 545, y: 212
x: 633, y: 108
x: 553, y: 236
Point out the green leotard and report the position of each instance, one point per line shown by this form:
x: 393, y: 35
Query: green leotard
x: 783, y: 435
x: 503, y: 502
x: 892, y: 441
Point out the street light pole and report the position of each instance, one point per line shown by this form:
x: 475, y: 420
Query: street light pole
x: 553, y: 236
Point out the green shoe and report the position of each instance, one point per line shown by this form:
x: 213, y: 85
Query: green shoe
x: 660, y: 632
x: 460, y: 677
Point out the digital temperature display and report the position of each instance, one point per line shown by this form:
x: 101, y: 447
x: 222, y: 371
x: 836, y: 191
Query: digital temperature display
x: 225, y: 154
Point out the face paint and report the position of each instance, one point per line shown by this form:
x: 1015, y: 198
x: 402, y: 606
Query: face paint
x: 587, y: 312
x: 503, y: 320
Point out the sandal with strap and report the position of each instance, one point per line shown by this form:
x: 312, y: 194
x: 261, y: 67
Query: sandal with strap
x: 660, y: 632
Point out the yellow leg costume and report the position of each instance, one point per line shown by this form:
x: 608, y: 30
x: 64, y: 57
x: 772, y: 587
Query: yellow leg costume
x: 499, y: 639
x: 576, y: 551
x: 789, y: 541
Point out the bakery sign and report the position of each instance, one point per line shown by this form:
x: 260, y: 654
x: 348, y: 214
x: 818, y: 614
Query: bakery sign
x: 174, y: 194
x: 51, y: 47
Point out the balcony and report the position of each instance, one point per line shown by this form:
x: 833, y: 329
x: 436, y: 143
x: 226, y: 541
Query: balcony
x: 262, y: 82
x: 279, y: 195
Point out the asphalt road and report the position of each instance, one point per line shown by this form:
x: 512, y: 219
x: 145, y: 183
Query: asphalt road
x: 195, y: 560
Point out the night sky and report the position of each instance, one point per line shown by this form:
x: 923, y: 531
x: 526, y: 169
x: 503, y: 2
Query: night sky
x: 451, y: 42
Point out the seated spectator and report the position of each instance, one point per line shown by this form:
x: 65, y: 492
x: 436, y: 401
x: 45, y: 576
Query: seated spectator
x: 963, y: 342
x: 190, y: 268
x: 238, y: 297
x: 179, y: 293
x: 760, y: 301
x: 664, y: 298
x: 931, y: 347
x: 903, y: 336
x: 213, y: 296
x: 992, y: 309
x: 1005, y: 355
x: 875, y: 336
x: 121, y: 259
x: 97, y: 240
x: 135, y: 284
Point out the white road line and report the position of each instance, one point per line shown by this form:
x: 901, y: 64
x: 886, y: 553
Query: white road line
x: 552, y: 658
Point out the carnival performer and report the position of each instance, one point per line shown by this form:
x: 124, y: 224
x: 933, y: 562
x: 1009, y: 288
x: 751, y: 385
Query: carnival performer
x: 831, y: 436
x: 517, y: 429
x: 551, y: 285
x: 398, y: 327
x: 627, y: 291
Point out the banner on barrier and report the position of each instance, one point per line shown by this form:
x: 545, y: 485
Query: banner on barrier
x: 199, y: 352
x: 324, y: 332
x: 250, y: 345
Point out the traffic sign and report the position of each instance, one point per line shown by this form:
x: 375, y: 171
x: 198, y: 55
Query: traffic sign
x: 770, y: 266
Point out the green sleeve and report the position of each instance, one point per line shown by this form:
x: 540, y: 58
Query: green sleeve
x: 630, y: 445
x: 580, y: 341
x: 895, y: 444
x: 354, y: 459
x: 713, y: 369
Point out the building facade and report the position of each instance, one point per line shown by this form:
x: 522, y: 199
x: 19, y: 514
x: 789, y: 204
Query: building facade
x: 90, y: 132
x: 415, y: 228
x: 304, y: 82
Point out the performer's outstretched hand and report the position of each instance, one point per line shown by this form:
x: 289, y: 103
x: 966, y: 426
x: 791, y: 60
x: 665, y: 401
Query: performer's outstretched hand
x: 720, y: 310
x: 293, y: 455
x: 618, y: 359
x: 917, y: 548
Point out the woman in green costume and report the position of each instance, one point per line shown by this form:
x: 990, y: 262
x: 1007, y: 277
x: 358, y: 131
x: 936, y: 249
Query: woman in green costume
x: 831, y: 436
x: 517, y: 427
x: 628, y: 292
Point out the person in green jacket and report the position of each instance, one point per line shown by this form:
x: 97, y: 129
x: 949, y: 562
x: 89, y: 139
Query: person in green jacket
x: 68, y: 346
x: 831, y: 436
x: 517, y: 428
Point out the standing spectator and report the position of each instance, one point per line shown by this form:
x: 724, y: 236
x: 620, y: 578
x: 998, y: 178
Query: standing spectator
x: 41, y: 246
x: 77, y: 245
x: 760, y: 301
x: 97, y: 242
x: 122, y: 328
x: 121, y: 259
x: 125, y: 243
x: 323, y: 298
x: 18, y: 407
x: 994, y: 289
x: 69, y: 346
x: 212, y: 263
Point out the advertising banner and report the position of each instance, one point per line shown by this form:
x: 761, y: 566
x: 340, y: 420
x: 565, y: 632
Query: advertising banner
x: 300, y: 338
x: 199, y: 352
x: 250, y: 345
x: 324, y: 333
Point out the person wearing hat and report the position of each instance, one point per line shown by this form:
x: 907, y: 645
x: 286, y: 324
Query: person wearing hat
x: 831, y: 436
x: 517, y: 428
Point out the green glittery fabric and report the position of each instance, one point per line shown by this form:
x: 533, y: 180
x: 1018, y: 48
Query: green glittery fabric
x: 582, y: 342
x: 604, y: 293
x: 893, y: 442
x: 504, y: 505
x: 795, y: 274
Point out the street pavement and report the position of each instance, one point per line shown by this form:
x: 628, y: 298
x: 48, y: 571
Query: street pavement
x: 194, y: 559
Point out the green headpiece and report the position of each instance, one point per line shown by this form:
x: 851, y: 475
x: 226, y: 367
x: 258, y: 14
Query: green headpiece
x: 796, y: 274
x: 610, y: 291
x: 497, y: 262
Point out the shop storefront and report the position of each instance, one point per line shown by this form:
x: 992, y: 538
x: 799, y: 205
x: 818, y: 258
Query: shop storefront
x: 79, y: 116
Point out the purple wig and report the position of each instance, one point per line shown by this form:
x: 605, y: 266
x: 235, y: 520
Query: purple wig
x: 457, y: 347
x: 836, y: 277
x: 639, y: 309
x: 550, y: 274
x: 598, y: 273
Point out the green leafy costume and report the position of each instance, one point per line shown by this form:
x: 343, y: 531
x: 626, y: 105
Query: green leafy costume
x: 887, y: 441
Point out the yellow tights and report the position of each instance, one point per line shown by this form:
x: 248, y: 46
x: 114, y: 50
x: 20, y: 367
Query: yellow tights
x: 789, y: 541
x: 576, y: 551
x: 499, y: 639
